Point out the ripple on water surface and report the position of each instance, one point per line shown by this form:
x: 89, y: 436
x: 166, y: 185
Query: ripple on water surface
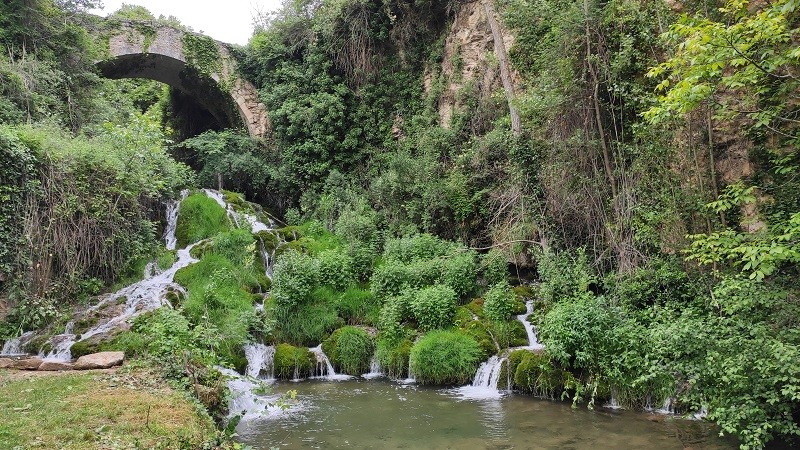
x: 384, y: 414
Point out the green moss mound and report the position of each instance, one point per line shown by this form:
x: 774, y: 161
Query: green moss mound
x: 393, y: 356
x: 349, y: 349
x: 445, y: 358
x: 199, y: 217
x: 293, y: 362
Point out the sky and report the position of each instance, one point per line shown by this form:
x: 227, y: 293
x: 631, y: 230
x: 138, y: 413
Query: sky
x: 229, y: 21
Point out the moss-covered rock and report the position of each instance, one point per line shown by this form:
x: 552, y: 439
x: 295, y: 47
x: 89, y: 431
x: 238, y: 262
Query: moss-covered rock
x: 349, y: 350
x: 293, y: 362
x: 393, y: 356
x: 524, y: 292
x: 534, y: 372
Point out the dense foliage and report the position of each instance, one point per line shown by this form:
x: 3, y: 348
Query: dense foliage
x: 641, y: 161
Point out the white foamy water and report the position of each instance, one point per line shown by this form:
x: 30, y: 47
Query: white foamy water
x: 487, y: 377
x: 260, y: 361
x: 324, y: 369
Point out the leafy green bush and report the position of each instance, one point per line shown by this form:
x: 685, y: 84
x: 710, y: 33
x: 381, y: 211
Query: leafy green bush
x: 499, y: 302
x: 389, y: 279
x: 395, y: 312
x: 293, y: 362
x: 444, y: 358
x: 335, y: 269
x: 420, y: 246
x: 563, y: 275
x: 349, y: 349
x: 494, y: 267
x: 459, y: 271
x: 294, y: 277
x: 434, y: 307
x: 199, y: 217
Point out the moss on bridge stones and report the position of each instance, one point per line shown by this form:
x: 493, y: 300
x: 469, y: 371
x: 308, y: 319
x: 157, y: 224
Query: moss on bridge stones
x: 202, y: 53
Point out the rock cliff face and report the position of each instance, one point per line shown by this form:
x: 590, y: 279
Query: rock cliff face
x: 469, y: 60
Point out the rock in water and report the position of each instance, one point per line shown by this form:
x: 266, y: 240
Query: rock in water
x: 6, y: 363
x: 53, y: 366
x: 28, y: 363
x: 102, y: 360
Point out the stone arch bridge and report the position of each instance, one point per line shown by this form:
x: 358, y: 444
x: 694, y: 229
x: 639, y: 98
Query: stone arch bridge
x: 192, y: 63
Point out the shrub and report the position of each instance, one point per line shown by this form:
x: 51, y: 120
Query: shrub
x: 294, y: 277
x: 499, y: 302
x: 444, y: 358
x: 460, y: 272
x: 349, y: 349
x: 434, y: 307
x: 420, y: 246
x: 199, y: 217
x: 293, y: 362
x: 335, y: 269
x: 393, y: 314
x: 389, y: 279
x: 563, y: 275
x: 494, y: 266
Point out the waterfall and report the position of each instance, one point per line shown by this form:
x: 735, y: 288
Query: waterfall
x: 142, y: 296
x: 247, y: 397
x: 484, y: 385
x: 13, y: 347
x: 533, y: 342
x: 375, y: 370
x: 329, y: 373
x: 613, y: 403
x: 260, y: 360
x: 173, y: 206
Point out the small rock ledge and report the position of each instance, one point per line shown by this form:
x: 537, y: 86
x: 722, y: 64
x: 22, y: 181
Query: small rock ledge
x: 101, y: 360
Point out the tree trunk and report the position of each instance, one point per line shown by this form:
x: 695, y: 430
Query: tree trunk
x: 505, y: 72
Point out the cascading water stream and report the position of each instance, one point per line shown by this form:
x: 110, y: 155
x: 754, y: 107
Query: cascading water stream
x: 145, y: 295
x: 260, y: 361
x: 13, y: 347
x: 533, y: 342
x: 324, y: 369
x: 375, y: 369
x: 487, y: 377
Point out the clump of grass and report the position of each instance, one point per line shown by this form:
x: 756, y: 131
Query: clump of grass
x: 444, y: 358
x: 349, y: 349
x: 199, y: 217
x: 293, y: 362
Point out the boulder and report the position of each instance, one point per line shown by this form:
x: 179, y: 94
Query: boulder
x: 27, y: 363
x: 102, y: 360
x: 6, y: 363
x: 54, y: 366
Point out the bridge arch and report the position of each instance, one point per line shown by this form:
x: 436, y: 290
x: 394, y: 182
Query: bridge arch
x: 192, y: 63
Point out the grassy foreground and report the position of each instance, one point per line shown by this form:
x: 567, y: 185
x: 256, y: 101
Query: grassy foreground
x: 115, y: 409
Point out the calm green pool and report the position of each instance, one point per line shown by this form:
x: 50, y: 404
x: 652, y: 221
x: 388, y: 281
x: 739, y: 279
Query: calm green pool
x: 384, y: 414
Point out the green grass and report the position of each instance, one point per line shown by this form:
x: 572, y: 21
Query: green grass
x: 93, y: 410
x: 445, y: 358
x: 199, y: 217
x: 349, y: 349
